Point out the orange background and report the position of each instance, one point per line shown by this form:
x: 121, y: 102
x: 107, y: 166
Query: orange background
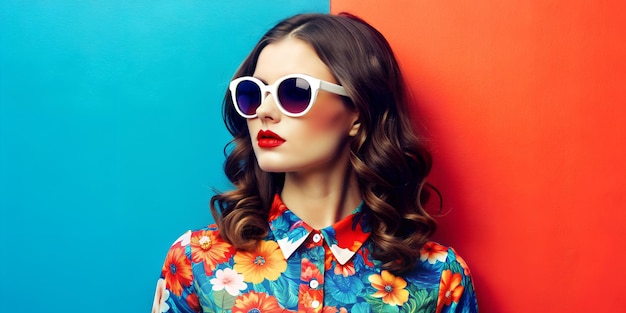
x: 525, y: 104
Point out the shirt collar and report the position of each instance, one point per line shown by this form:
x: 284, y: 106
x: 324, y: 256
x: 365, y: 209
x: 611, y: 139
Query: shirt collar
x: 344, y: 238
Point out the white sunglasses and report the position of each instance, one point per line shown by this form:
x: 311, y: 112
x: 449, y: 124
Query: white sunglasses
x: 294, y: 94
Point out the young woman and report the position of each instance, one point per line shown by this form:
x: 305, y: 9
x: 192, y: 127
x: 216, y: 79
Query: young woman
x: 326, y: 214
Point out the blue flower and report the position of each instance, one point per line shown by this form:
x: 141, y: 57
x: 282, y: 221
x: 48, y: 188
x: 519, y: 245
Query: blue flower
x: 342, y: 289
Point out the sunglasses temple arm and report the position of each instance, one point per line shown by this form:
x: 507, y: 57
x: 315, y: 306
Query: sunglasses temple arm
x: 334, y: 88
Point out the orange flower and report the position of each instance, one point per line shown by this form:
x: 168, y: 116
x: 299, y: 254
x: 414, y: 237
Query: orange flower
x: 256, y: 302
x: 390, y: 288
x: 310, y: 271
x: 307, y: 298
x: 208, y: 247
x: 277, y: 209
x: 433, y: 252
x: 267, y: 262
x: 346, y: 269
x: 450, y: 289
x: 177, y: 270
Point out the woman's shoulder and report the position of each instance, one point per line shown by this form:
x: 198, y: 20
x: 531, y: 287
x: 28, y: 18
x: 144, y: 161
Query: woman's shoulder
x: 201, y: 245
x: 202, y: 238
x: 433, y: 253
x: 442, y: 266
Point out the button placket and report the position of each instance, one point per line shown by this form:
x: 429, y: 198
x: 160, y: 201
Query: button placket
x: 311, y: 295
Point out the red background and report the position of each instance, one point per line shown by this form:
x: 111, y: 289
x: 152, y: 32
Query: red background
x: 525, y: 104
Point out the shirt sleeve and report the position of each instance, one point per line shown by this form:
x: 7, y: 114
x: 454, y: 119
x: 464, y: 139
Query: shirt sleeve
x: 175, y: 290
x: 456, y: 289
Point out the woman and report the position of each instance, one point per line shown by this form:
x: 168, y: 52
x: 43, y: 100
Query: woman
x: 329, y: 179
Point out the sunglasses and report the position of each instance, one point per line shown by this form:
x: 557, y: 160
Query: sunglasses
x: 294, y: 94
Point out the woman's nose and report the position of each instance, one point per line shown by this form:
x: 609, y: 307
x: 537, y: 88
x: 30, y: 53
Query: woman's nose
x: 268, y: 108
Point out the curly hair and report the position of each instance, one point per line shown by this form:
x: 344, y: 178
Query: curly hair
x: 390, y: 161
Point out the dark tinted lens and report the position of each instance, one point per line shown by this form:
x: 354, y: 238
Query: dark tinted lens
x: 294, y: 94
x: 248, y: 97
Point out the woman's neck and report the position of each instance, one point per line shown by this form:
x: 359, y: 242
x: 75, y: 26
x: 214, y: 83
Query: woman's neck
x: 321, y: 199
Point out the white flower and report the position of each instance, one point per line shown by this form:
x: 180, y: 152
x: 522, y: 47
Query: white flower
x: 160, y: 298
x: 228, y: 279
x: 163, y: 305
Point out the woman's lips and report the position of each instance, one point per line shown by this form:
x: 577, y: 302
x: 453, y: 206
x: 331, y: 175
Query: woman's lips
x: 269, y: 139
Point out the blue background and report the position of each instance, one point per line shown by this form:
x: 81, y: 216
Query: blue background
x: 111, y: 140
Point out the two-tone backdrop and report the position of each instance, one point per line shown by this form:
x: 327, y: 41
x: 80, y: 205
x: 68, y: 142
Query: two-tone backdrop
x: 111, y: 140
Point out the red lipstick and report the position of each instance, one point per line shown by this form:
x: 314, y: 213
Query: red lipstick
x: 269, y: 139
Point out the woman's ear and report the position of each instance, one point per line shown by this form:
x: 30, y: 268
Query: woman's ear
x: 355, y: 128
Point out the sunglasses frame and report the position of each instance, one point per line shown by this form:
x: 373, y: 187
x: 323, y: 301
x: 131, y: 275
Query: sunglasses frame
x: 315, y: 84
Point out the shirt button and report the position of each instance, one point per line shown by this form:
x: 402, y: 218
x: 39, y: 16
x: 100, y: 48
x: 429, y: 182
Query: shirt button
x: 317, y: 238
x: 315, y: 304
x: 313, y: 283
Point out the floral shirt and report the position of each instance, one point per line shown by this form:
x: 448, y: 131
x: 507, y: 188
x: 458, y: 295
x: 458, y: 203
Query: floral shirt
x: 300, y: 269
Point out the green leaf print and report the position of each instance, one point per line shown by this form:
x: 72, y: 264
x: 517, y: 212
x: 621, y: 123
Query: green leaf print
x: 378, y: 306
x: 410, y: 306
x: 455, y: 267
x: 430, y: 303
x: 421, y: 301
x: 204, y: 298
x: 224, y: 300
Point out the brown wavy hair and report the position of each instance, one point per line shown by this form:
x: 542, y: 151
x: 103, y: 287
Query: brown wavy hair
x: 391, y: 163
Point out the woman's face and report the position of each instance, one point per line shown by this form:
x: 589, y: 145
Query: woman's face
x: 314, y: 142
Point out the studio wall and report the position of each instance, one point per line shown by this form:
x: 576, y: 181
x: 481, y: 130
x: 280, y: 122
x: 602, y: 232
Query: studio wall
x: 524, y: 103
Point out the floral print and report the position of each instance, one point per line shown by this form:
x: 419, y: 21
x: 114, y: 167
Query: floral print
x: 207, y: 247
x: 433, y: 252
x: 390, y: 288
x: 160, y: 298
x: 300, y: 269
x: 450, y: 289
x: 177, y: 270
x: 229, y: 280
x: 256, y: 302
x: 266, y: 263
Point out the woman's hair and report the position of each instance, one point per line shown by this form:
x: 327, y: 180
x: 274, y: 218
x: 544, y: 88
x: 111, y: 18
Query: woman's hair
x: 389, y: 160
